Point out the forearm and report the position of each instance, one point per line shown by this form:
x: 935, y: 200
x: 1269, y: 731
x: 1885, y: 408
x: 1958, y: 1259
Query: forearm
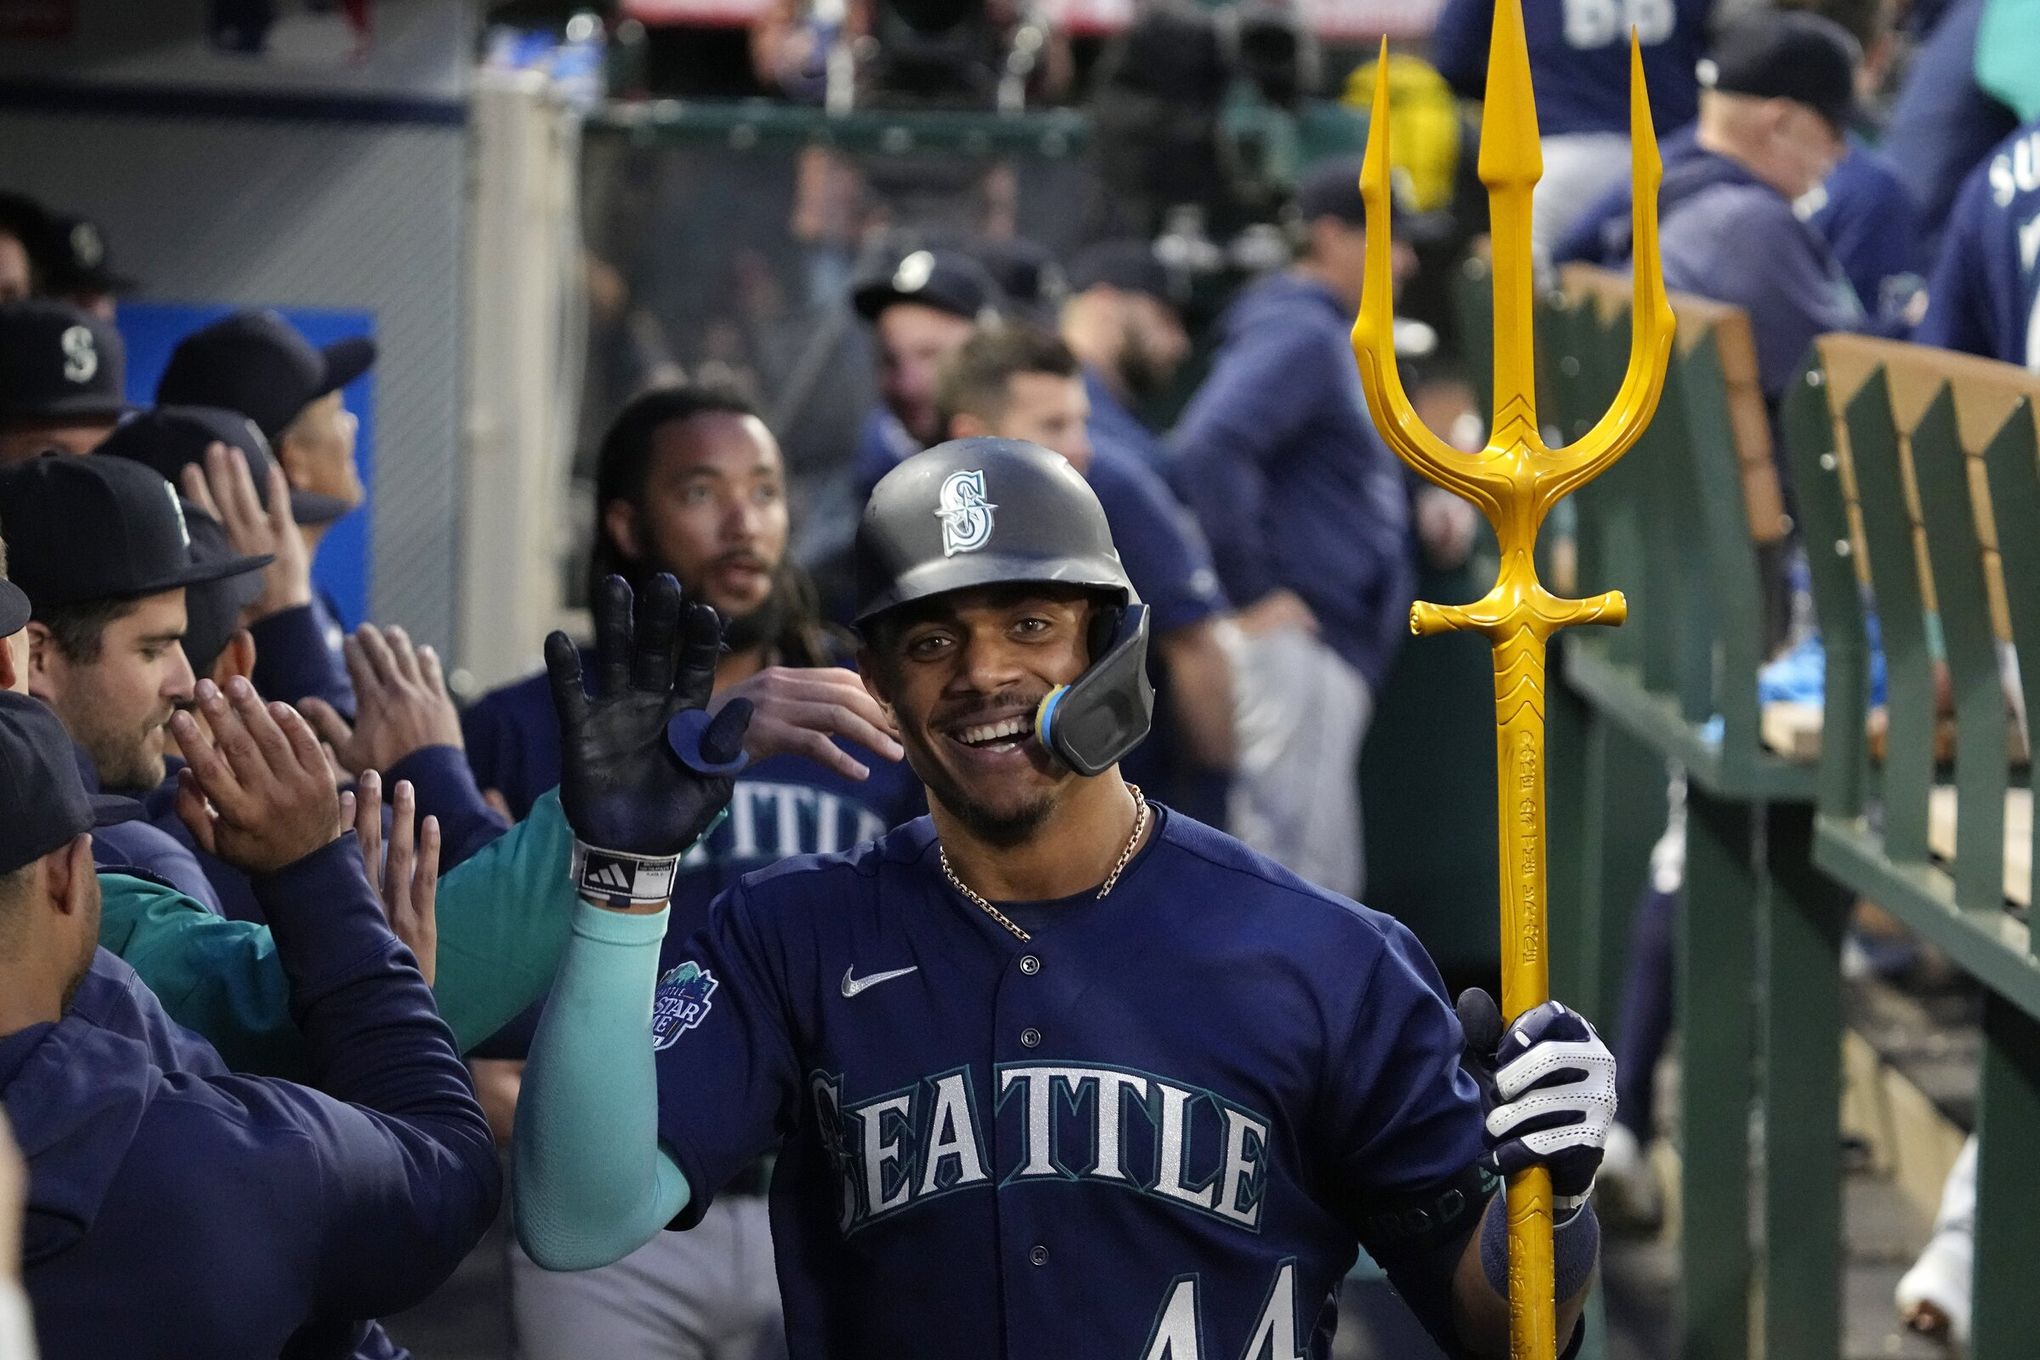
x: 293, y: 662
x: 1480, y: 1311
x: 445, y: 788
x: 217, y: 977
x: 503, y: 924
x: 1201, y: 692
x: 591, y: 1182
x: 372, y: 1034
x: 412, y: 1176
x: 503, y: 920
x: 1224, y: 492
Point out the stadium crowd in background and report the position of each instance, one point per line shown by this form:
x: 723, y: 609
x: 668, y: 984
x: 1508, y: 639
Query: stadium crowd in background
x: 280, y: 913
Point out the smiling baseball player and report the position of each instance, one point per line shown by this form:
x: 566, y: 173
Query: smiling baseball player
x: 1054, y: 1071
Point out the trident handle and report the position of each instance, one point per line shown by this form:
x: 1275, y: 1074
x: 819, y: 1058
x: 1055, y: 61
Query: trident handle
x: 1515, y: 481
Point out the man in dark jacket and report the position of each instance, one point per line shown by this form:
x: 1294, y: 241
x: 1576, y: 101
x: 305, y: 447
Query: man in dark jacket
x: 1308, y: 518
x: 174, y: 1208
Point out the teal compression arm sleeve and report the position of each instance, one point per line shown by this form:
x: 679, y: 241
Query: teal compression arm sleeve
x: 592, y: 1183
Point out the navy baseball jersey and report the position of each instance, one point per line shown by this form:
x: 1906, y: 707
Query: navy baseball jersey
x: 1158, y: 1127
x: 1985, y: 294
x: 1579, y: 58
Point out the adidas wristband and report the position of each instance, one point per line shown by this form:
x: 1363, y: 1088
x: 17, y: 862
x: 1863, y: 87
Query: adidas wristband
x: 619, y: 880
x: 613, y: 878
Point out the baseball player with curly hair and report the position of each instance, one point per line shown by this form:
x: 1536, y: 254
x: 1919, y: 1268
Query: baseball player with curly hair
x: 1054, y: 1071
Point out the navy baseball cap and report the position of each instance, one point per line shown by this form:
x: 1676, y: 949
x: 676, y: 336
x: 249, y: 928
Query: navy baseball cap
x: 43, y: 803
x: 257, y: 363
x: 169, y: 437
x: 1129, y: 265
x: 947, y: 280
x: 28, y: 222
x: 1787, y: 54
x: 1332, y: 189
x: 59, y: 363
x: 1027, y: 275
x: 80, y: 260
x: 14, y: 609
x: 91, y: 528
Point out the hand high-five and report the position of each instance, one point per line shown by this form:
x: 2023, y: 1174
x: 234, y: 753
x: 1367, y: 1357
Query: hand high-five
x: 257, y: 791
x: 621, y: 785
x: 226, y: 491
x: 401, y: 703
x: 406, y: 878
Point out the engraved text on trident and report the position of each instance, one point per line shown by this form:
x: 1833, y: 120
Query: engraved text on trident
x: 1515, y: 481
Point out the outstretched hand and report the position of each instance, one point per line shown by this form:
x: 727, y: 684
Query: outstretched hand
x: 225, y: 489
x: 406, y: 875
x: 401, y: 703
x: 256, y: 791
x: 621, y: 786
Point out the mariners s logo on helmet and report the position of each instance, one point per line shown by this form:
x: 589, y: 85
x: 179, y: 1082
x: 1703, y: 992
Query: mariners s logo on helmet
x: 966, y: 514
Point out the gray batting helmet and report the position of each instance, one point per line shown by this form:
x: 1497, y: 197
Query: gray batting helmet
x: 983, y: 512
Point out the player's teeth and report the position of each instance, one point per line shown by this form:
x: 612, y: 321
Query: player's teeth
x: 1011, y: 727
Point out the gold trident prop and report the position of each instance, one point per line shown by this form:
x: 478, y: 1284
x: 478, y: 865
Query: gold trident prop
x: 1515, y: 481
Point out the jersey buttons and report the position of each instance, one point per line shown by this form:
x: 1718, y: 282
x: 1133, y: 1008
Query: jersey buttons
x: 1038, y: 1256
x: 1029, y: 964
x: 1030, y: 1037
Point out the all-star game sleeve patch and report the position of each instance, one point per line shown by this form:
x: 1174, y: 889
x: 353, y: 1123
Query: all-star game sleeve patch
x: 681, y: 1003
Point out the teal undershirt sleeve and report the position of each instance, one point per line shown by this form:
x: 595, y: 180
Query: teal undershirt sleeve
x: 591, y: 1182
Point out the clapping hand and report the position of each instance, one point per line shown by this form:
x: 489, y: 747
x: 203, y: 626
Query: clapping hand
x: 225, y: 489
x: 256, y: 791
x: 401, y: 703
x: 406, y: 877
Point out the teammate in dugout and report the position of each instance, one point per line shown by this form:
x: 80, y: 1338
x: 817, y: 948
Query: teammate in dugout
x: 1055, y: 1070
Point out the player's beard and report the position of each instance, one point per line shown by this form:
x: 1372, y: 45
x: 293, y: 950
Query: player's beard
x: 1003, y: 827
x: 763, y: 625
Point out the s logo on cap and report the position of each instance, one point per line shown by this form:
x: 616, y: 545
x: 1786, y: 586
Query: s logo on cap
x: 177, y: 508
x: 81, y: 354
x: 914, y: 271
x: 86, y: 247
x: 966, y: 514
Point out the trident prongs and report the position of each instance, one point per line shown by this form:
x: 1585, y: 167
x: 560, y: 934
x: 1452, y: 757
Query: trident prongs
x: 1515, y: 481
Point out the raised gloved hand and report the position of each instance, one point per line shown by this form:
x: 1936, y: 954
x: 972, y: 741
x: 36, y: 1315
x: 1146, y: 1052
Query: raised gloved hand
x: 1549, y: 1087
x: 634, y: 804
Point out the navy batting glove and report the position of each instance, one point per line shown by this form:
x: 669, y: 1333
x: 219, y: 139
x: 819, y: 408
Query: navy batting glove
x: 633, y: 804
x: 1549, y: 1087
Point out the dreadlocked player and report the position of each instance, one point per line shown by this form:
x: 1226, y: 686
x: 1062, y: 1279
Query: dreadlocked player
x: 1054, y: 1071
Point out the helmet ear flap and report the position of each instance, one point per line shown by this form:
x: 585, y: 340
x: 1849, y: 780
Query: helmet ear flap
x: 1106, y: 712
x: 1103, y: 628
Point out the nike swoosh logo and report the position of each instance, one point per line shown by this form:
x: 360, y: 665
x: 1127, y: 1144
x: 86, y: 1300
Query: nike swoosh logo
x: 853, y: 985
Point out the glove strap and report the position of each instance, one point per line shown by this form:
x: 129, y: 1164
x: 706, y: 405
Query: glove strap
x: 616, y: 879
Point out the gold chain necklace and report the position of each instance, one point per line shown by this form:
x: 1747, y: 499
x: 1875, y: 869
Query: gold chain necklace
x: 1140, y: 821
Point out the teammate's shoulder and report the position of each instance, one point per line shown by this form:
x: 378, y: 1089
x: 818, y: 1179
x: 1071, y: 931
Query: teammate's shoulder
x: 802, y: 877
x: 1247, y: 881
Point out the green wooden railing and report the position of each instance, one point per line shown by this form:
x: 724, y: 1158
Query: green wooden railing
x: 1915, y: 480
x: 1692, y: 528
x: 1921, y: 496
